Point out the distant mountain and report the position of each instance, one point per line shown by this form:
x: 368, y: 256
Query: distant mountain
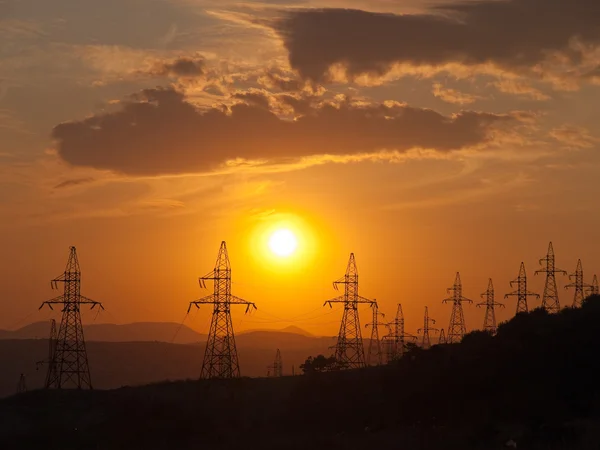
x: 132, y: 332
x: 291, y: 329
x: 115, y: 364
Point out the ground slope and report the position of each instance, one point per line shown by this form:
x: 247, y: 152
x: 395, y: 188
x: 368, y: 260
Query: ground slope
x: 536, y: 382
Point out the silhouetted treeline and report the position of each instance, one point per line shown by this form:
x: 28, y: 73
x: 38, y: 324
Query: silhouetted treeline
x: 536, y: 382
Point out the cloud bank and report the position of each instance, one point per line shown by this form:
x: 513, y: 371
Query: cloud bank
x: 159, y: 132
x: 514, y: 35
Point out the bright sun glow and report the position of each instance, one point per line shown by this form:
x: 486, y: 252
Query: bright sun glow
x: 283, y: 242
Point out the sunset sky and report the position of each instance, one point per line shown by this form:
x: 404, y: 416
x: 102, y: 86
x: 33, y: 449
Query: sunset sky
x: 426, y: 137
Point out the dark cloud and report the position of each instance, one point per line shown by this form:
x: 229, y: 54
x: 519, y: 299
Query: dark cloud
x: 275, y: 78
x: 301, y: 105
x: 73, y: 182
x: 253, y: 97
x: 512, y: 34
x: 181, y: 67
x: 159, y: 132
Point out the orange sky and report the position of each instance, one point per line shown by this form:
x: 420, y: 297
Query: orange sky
x: 424, y: 159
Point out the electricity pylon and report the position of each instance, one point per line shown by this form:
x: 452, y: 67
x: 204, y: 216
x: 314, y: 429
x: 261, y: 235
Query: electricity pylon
x: 457, y: 327
x: 593, y: 288
x: 578, y: 285
x: 521, y: 293
x: 70, y: 356
x: 395, y: 340
x: 220, y: 357
x: 550, y: 299
x: 277, y: 366
x: 349, y: 350
x: 374, y: 352
x: 51, y: 373
x: 21, y: 386
x: 442, y: 339
x: 489, y: 323
x: 426, y: 342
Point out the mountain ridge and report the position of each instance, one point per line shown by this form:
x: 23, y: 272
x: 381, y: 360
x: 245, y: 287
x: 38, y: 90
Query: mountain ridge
x: 169, y: 332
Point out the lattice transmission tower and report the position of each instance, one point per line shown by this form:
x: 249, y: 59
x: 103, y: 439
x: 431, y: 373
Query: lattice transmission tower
x: 374, y: 352
x: 220, y: 357
x: 550, y: 300
x: 51, y: 372
x: 457, y: 328
x: 277, y: 367
x: 22, y: 385
x: 442, y: 339
x: 489, y: 322
x: 70, y: 356
x: 426, y: 342
x: 395, y: 341
x: 593, y: 288
x: 349, y: 350
x: 521, y: 293
x: 578, y: 285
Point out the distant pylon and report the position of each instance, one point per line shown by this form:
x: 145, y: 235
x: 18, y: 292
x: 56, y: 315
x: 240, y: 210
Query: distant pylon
x: 395, y: 340
x: 21, y: 386
x: 593, y: 288
x: 457, y: 327
x: 550, y: 300
x: 578, y: 285
x: 426, y: 342
x: 220, y: 356
x: 51, y: 372
x: 349, y: 350
x: 374, y: 352
x: 70, y: 356
x: 442, y: 339
x: 489, y: 322
x: 521, y: 293
x: 277, y: 366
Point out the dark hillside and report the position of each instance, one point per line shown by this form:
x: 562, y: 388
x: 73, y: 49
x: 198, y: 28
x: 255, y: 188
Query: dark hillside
x: 536, y: 382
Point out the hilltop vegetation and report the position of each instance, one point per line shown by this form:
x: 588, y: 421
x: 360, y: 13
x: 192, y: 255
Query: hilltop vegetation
x: 535, y: 382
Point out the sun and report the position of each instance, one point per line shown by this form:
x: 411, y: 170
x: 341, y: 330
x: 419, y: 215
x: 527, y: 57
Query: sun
x: 283, y: 242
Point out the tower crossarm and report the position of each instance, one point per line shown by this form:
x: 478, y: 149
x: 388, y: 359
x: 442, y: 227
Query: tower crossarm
x: 549, y: 269
x: 517, y: 293
x: 53, y: 301
x: 233, y: 300
x: 341, y: 299
x: 461, y: 299
x: 89, y: 301
x: 209, y: 276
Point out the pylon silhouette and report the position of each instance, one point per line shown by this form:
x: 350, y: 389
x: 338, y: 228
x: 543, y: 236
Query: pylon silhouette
x: 578, y: 285
x: 51, y: 372
x: 220, y: 357
x: 22, y: 385
x: 374, y: 352
x: 489, y: 323
x: 349, y: 350
x: 442, y: 339
x: 550, y: 300
x: 593, y: 288
x: 521, y: 293
x: 426, y: 342
x: 70, y: 356
x: 395, y: 339
x: 277, y: 366
x: 457, y: 327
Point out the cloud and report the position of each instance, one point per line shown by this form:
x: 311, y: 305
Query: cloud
x: 158, y: 132
x: 519, y: 88
x: 514, y: 35
x: 452, y: 95
x: 74, y: 182
x: 181, y: 67
x: 573, y: 136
